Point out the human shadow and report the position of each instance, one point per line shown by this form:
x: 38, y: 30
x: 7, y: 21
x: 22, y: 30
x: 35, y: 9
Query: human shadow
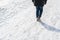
x: 50, y: 28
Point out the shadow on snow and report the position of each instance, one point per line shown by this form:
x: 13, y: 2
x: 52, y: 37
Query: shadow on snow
x: 48, y: 27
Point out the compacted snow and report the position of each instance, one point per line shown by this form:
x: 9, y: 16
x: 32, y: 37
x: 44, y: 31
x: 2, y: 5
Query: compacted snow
x: 18, y: 21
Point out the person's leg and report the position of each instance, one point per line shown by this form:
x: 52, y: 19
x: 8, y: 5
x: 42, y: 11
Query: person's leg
x: 37, y: 11
x: 41, y: 10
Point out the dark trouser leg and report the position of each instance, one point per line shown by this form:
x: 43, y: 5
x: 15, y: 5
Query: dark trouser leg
x: 37, y: 11
x: 41, y: 10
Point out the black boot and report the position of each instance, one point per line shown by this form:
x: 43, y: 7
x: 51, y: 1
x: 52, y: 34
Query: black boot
x: 38, y: 19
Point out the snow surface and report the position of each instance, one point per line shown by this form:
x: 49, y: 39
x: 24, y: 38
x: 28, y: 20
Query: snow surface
x: 4, y: 2
x: 18, y: 21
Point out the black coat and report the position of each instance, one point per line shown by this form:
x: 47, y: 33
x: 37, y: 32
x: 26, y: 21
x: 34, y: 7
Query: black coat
x: 39, y: 2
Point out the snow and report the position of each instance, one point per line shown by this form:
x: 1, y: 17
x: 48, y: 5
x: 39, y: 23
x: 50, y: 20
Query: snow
x: 18, y: 21
x: 4, y: 2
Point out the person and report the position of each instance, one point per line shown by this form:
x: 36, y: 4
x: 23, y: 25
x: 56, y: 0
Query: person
x: 39, y: 7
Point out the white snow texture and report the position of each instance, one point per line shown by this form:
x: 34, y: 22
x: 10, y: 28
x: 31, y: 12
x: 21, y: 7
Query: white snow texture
x: 18, y: 21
